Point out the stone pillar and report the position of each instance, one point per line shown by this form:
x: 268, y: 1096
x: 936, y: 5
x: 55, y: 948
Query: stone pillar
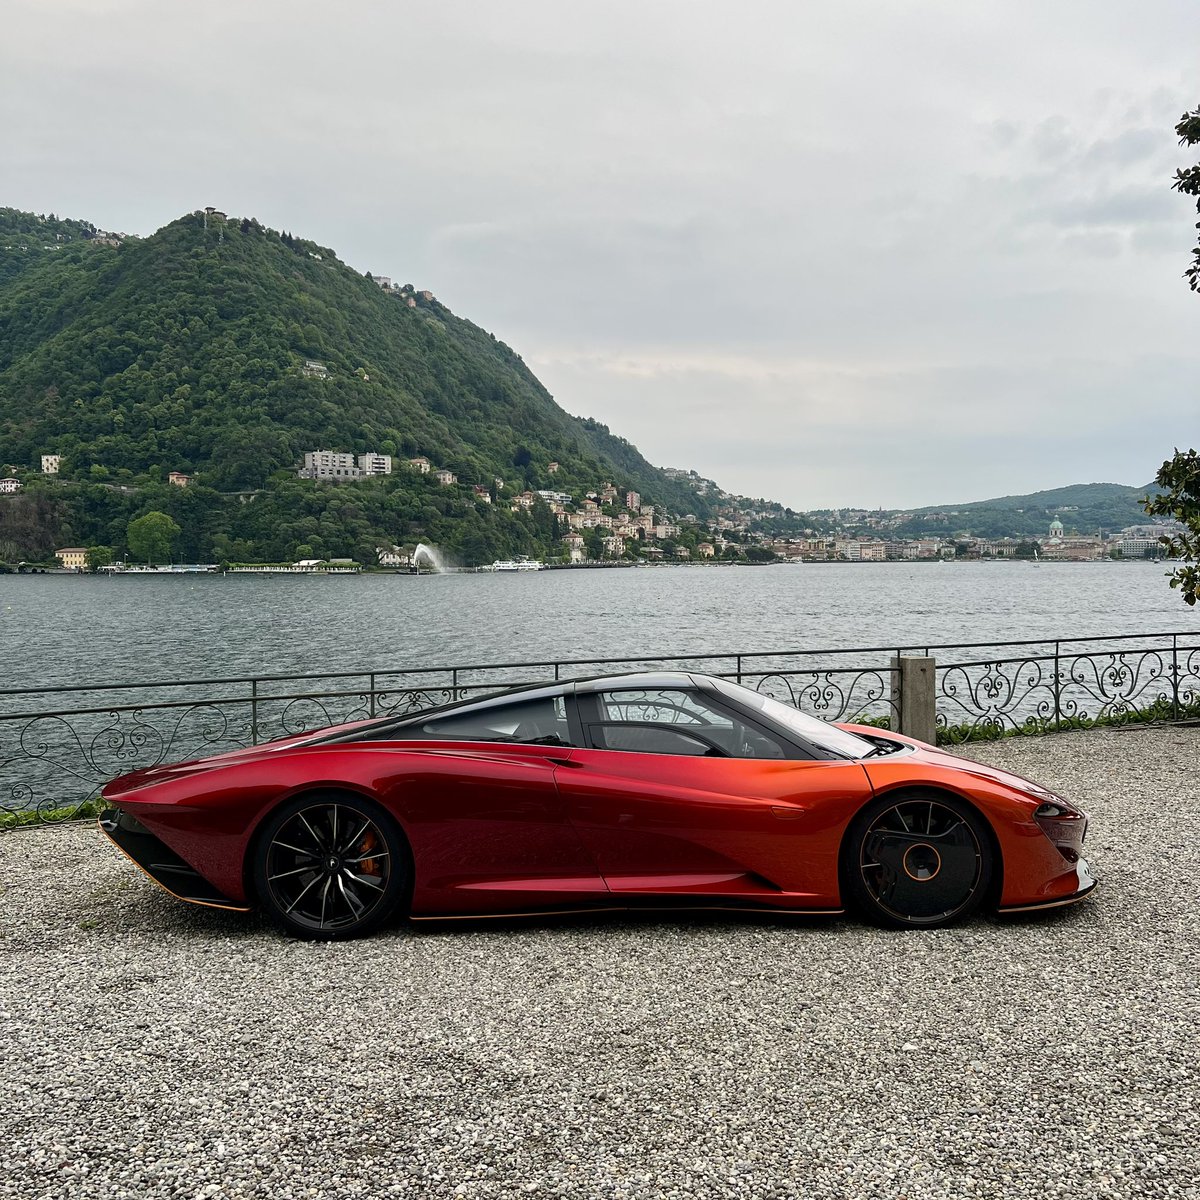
x: 914, y: 694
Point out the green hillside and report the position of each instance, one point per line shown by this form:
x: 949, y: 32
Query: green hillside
x: 28, y: 241
x: 1085, y: 507
x: 185, y: 351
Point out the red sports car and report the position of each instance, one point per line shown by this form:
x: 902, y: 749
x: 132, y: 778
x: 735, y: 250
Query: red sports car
x: 633, y: 791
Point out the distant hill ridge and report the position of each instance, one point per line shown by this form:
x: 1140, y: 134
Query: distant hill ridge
x: 1073, y: 495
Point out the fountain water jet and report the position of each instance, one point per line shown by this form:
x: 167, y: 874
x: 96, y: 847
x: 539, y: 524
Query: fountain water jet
x: 431, y: 557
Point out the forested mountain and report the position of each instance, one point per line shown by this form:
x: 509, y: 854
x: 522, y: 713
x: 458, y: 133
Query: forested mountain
x: 186, y: 351
x: 1085, y: 507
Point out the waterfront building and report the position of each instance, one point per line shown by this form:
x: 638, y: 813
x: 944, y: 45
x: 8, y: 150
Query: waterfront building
x: 574, y: 544
x: 51, y: 463
x: 1139, y: 547
x: 705, y: 550
x: 614, y: 547
x: 74, y: 558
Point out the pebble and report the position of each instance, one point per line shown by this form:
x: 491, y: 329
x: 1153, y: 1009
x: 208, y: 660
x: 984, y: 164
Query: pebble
x: 149, y: 1049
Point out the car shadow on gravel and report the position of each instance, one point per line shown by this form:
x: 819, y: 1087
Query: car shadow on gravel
x: 161, y: 914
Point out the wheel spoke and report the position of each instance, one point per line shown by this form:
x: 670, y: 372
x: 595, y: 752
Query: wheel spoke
x: 355, y: 905
x: 351, y: 842
x: 288, y: 874
x: 368, y: 857
x: 370, y: 880
x: 324, y: 901
x: 294, y: 849
x: 318, y: 841
x: 304, y: 893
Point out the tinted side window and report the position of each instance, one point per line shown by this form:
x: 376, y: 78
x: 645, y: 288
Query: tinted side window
x: 649, y: 739
x: 660, y: 706
x: 543, y: 720
x: 683, y: 711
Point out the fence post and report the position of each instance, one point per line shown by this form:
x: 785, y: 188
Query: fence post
x: 914, y: 695
x: 739, y: 668
x: 371, y: 692
x: 1174, y: 677
x: 454, y: 682
x: 254, y: 712
x: 1057, y: 687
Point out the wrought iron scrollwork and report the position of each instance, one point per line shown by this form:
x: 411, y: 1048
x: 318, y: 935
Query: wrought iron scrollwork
x: 1077, y: 690
x: 835, y: 694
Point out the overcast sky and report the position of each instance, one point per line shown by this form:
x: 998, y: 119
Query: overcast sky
x: 834, y: 253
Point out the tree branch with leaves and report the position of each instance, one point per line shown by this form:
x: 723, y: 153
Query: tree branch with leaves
x: 1178, y: 478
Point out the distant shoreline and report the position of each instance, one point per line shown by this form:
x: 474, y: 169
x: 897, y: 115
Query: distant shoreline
x: 191, y: 572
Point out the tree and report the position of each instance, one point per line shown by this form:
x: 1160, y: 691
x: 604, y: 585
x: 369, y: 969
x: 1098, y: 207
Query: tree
x: 149, y: 538
x: 1188, y: 182
x: 97, y: 557
x: 1179, y: 479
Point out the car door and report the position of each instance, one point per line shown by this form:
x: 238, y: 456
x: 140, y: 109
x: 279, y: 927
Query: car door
x: 488, y: 827
x: 674, y: 794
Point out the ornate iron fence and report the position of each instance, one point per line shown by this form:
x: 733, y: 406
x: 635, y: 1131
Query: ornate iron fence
x: 1073, y: 683
x: 58, y: 746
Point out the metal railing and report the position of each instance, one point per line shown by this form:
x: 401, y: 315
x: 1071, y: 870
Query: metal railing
x: 1070, y: 683
x: 58, y: 746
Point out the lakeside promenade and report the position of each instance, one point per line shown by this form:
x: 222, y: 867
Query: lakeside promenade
x: 155, y: 1050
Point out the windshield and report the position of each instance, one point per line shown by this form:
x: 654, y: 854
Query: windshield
x: 819, y: 733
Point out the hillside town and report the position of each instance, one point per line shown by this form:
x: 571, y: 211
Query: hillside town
x: 607, y: 524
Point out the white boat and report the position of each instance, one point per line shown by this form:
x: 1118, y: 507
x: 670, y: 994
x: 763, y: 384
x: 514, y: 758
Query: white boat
x: 520, y: 564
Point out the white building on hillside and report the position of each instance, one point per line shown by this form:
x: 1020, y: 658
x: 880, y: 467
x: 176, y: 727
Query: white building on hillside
x: 375, y: 464
x: 329, y: 464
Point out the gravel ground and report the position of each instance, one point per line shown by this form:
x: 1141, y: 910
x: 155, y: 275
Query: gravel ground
x: 152, y: 1049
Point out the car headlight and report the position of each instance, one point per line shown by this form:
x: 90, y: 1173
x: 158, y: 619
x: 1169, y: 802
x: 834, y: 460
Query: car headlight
x: 1064, y: 825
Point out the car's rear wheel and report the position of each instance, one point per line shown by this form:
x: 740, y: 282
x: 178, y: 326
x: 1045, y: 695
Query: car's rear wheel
x: 917, y: 861
x: 330, y: 866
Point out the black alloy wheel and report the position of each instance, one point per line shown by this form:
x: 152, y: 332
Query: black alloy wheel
x: 330, y: 866
x: 917, y: 861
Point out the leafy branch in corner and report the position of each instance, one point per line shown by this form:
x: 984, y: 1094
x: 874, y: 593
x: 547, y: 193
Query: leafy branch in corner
x: 1179, y: 477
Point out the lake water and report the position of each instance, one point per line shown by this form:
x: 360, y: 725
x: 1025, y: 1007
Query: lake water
x: 58, y: 630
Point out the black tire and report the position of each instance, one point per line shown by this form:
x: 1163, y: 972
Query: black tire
x: 917, y: 861
x: 330, y: 865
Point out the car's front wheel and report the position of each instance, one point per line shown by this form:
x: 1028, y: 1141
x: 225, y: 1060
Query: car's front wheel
x: 917, y: 861
x: 330, y: 866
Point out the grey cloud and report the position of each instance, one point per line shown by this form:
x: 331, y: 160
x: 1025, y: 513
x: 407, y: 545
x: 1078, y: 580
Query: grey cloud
x: 846, y: 238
